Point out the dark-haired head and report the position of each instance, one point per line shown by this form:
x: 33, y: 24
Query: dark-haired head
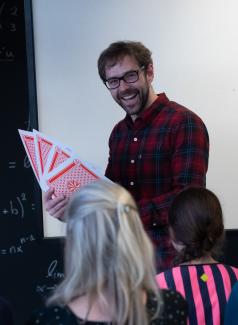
x: 196, y: 224
x: 118, y: 50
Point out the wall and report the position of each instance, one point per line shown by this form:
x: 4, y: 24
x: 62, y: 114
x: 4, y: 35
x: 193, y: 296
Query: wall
x: 195, y: 58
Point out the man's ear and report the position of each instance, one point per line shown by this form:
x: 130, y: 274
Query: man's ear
x: 150, y: 72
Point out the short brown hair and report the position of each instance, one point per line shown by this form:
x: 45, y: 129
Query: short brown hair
x: 118, y: 50
x: 196, y: 221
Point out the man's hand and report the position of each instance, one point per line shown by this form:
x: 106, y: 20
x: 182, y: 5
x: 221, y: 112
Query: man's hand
x: 55, y: 206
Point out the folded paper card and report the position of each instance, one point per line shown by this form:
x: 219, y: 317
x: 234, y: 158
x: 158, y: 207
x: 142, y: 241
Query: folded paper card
x: 55, y: 165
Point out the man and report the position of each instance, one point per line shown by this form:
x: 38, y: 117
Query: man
x: 159, y: 148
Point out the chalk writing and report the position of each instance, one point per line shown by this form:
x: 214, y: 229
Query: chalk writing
x: 2, y: 7
x: 42, y: 289
x: 14, y: 11
x: 17, y: 247
x: 16, y: 207
x: 6, y: 54
x: 11, y: 164
x: 12, y: 27
x: 52, y: 271
x: 26, y: 163
x: 53, y: 275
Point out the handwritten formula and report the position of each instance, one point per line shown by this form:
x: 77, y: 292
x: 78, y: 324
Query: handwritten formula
x: 17, y: 206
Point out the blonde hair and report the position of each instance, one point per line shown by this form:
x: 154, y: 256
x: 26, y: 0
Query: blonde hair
x: 107, y: 253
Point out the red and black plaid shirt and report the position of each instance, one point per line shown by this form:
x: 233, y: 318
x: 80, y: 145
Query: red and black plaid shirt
x: 163, y: 151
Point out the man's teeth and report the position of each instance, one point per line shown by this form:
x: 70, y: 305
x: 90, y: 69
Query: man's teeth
x: 129, y: 97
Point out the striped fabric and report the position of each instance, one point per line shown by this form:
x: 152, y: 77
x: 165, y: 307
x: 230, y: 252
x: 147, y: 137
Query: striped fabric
x: 206, y: 287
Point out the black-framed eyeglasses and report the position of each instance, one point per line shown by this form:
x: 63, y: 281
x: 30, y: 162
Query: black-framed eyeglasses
x: 129, y: 77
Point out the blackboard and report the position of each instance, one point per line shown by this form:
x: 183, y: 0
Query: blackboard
x: 30, y: 265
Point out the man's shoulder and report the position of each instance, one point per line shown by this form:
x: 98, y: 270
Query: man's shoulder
x: 176, y: 115
x: 181, y: 110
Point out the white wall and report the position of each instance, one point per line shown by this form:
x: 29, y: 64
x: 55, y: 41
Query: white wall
x: 195, y: 50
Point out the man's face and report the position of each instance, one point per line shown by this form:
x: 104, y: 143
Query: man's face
x: 132, y: 97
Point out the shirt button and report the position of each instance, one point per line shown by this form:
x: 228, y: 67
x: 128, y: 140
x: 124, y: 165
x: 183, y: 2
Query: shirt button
x: 135, y: 139
x: 132, y: 161
x: 154, y: 224
x: 131, y: 183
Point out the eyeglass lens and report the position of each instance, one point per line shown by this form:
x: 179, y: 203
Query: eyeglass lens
x: 129, y: 77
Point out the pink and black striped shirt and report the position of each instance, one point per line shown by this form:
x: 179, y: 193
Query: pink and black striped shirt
x: 206, y: 287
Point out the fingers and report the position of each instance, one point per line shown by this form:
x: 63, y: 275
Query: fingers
x: 55, y: 206
x: 48, y: 195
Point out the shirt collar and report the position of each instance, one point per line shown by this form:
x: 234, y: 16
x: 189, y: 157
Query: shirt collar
x: 148, y: 114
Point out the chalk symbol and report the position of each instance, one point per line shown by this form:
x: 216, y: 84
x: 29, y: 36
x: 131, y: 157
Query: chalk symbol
x: 2, y: 7
x: 12, y: 164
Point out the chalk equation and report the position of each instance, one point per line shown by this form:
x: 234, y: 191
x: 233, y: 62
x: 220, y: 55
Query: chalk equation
x: 13, y: 164
x: 52, y: 273
x: 9, y: 27
x: 6, y: 54
x: 16, y: 207
x: 10, y: 11
x: 45, y: 289
x: 18, y: 247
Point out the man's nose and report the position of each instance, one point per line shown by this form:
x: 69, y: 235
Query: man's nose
x: 123, y: 85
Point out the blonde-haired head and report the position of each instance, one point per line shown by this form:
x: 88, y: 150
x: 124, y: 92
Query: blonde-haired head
x: 107, y: 252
